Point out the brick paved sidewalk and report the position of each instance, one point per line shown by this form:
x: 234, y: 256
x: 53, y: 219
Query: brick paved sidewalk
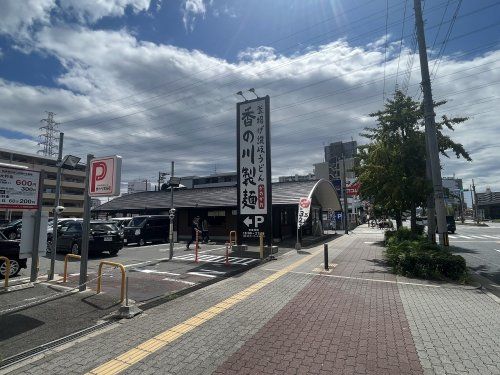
x: 287, y: 318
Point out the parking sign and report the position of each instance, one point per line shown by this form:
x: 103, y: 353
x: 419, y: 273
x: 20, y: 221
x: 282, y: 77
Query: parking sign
x: 105, y: 176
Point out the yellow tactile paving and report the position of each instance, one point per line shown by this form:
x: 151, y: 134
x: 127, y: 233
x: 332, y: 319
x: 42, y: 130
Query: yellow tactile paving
x: 134, y: 355
x: 152, y: 345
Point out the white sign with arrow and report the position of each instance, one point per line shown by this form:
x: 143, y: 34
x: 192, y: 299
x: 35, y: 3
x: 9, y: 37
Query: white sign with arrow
x: 253, y: 222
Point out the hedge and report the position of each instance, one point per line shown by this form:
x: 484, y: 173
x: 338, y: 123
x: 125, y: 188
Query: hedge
x: 413, y: 255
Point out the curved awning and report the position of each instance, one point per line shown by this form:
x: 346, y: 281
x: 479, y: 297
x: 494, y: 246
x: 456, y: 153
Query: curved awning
x: 326, y: 195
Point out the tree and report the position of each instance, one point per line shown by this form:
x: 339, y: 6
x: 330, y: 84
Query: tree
x: 392, y: 166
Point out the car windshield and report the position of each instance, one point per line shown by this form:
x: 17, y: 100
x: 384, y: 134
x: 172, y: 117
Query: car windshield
x: 15, y: 222
x: 103, y: 227
x: 136, y: 222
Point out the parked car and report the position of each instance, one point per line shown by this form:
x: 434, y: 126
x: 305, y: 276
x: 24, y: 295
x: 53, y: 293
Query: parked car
x: 121, y: 222
x: 10, y: 249
x: 12, y: 230
x: 385, y: 224
x: 142, y: 229
x: 60, y: 223
x: 103, y: 236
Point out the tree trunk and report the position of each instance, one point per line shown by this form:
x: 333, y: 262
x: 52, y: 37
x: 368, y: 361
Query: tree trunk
x: 399, y: 221
x: 413, y: 218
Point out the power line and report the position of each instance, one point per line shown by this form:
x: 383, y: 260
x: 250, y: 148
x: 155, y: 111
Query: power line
x: 218, y: 77
x: 401, y: 44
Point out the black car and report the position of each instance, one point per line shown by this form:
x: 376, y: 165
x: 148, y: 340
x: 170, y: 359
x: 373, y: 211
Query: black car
x: 10, y: 249
x: 12, y: 229
x: 142, y: 229
x: 103, y: 236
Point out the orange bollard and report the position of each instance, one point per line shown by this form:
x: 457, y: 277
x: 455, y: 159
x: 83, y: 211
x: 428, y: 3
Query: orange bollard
x: 196, y: 248
x: 227, y: 254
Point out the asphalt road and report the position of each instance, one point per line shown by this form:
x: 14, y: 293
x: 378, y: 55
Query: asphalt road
x: 480, y: 246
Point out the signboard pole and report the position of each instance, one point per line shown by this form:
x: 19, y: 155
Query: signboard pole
x: 56, y: 213
x: 269, y: 218
x: 172, y: 217
x: 86, y: 228
x: 36, y: 233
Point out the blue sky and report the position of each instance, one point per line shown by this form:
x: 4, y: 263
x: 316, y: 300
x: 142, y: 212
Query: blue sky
x: 155, y: 80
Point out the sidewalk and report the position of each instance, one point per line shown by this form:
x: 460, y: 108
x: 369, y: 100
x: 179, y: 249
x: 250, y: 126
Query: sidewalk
x: 289, y: 316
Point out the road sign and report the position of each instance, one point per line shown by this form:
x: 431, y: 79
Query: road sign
x: 105, y: 176
x: 19, y: 188
x: 254, y: 169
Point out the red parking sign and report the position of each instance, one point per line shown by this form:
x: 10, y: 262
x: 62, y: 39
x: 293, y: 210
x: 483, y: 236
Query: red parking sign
x: 105, y: 176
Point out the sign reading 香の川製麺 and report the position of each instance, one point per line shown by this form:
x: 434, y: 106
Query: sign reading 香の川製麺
x: 254, y: 169
x: 19, y: 188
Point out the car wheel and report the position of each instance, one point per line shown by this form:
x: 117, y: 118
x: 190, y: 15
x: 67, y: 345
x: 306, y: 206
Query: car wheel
x: 113, y: 252
x: 12, y: 236
x: 141, y: 242
x: 14, y: 268
x: 75, y: 249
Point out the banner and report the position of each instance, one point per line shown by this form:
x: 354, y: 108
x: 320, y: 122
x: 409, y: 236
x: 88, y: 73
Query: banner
x: 304, y: 210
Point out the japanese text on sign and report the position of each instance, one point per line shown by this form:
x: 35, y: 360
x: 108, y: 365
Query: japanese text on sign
x: 19, y: 189
x: 252, y: 157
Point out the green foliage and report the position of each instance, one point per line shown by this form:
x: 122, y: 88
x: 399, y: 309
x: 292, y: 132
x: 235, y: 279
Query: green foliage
x: 414, y: 256
x: 392, y: 167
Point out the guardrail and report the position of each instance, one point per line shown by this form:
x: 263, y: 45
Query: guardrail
x: 7, y: 271
x: 74, y: 256
x: 99, y: 277
x: 231, y: 238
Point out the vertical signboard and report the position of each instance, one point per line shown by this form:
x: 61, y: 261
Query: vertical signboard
x: 105, y: 176
x: 254, y: 170
x: 19, y: 189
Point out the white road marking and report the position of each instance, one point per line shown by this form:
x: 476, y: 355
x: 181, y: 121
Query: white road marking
x: 202, y: 274
x: 496, y: 237
x: 462, y: 236
x: 158, y: 272
x: 497, y: 250
x: 179, y: 281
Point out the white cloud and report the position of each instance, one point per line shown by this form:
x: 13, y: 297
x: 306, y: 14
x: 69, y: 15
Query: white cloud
x: 191, y: 10
x: 180, y: 105
x: 261, y: 53
x: 91, y: 11
x: 19, y: 17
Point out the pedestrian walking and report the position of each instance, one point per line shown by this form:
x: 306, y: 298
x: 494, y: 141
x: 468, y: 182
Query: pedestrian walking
x: 204, y: 231
x: 195, y: 228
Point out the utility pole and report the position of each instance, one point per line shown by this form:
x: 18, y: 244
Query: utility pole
x: 430, y: 129
x: 344, y: 192
x: 56, y: 212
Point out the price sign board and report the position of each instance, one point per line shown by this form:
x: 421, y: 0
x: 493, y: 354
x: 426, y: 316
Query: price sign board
x: 19, y: 189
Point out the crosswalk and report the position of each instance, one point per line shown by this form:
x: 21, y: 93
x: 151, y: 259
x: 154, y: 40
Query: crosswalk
x: 217, y: 259
x: 474, y: 237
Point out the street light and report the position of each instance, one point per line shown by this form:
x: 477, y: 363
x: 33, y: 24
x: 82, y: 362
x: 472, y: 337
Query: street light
x: 68, y: 162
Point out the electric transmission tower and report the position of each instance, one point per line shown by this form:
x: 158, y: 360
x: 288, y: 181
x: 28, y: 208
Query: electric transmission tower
x: 49, y: 136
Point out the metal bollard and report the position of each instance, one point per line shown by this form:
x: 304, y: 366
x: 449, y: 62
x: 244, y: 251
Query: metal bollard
x: 196, y: 248
x: 126, y: 291
x: 227, y: 254
x: 325, y: 253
